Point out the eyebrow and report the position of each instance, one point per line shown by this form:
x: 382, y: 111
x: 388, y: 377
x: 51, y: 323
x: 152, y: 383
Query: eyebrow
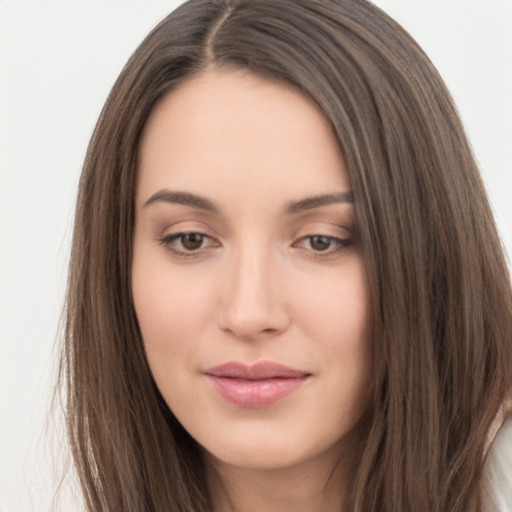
x: 184, y: 198
x: 317, y: 201
x: 291, y: 208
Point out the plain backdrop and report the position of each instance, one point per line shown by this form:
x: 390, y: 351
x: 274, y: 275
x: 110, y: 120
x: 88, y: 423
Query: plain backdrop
x: 58, y: 60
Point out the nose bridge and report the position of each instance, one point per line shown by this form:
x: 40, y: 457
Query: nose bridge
x: 252, y: 304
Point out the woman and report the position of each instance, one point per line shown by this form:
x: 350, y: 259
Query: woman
x: 286, y: 288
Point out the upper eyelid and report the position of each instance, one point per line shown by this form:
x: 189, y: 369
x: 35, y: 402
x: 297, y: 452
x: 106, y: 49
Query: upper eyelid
x: 186, y: 227
x: 335, y: 230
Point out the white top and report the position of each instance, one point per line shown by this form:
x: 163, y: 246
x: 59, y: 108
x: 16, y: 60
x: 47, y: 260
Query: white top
x: 499, y: 470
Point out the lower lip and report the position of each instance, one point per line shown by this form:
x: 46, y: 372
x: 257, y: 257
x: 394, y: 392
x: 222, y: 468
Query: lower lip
x: 255, y: 393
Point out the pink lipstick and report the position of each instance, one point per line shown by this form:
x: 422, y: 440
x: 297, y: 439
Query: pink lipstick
x: 256, y: 386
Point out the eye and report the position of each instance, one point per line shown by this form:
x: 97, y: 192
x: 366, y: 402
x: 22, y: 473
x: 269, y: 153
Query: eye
x: 191, y: 241
x: 187, y: 243
x: 322, y: 244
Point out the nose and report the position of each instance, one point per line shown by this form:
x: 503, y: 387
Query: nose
x: 253, y: 303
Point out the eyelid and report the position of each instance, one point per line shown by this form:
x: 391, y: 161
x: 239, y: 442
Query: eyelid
x: 339, y: 244
x: 332, y: 229
x: 340, y: 236
x: 184, y: 226
x: 170, y: 236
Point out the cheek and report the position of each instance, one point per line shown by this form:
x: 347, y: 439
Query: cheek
x: 337, y: 309
x: 172, y: 317
x: 170, y: 311
x: 340, y: 325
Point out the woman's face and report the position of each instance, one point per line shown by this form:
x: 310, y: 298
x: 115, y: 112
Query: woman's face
x: 248, y: 282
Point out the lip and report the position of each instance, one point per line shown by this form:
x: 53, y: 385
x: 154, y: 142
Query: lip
x: 255, y: 386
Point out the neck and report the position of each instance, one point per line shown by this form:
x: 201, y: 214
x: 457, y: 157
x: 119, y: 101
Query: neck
x: 318, y: 485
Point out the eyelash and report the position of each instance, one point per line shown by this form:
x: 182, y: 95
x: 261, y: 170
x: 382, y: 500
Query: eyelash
x: 169, y: 243
x: 339, y: 244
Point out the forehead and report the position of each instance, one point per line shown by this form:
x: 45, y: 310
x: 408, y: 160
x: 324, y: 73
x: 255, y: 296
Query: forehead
x: 233, y: 131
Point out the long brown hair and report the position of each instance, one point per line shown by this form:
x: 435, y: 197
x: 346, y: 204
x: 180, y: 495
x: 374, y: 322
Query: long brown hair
x: 441, y: 294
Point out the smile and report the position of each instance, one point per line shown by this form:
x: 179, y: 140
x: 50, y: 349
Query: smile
x: 256, y: 386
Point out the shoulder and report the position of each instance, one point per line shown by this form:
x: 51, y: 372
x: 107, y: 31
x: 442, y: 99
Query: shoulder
x: 498, y: 470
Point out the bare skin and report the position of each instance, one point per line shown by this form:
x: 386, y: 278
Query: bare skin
x: 246, y: 253
x: 316, y: 486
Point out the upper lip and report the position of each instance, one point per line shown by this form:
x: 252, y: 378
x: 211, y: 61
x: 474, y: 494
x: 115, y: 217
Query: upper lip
x: 259, y: 371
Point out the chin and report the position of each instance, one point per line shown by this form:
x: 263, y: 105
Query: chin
x: 267, y: 447
x: 257, y: 457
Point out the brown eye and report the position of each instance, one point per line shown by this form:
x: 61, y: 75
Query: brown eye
x: 325, y: 246
x: 320, y: 242
x: 192, y: 241
x: 190, y: 244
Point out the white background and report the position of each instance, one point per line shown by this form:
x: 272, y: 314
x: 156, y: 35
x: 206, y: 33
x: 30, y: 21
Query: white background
x: 58, y: 60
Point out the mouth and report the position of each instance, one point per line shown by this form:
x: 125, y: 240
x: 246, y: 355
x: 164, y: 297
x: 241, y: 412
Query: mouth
x: 256, y: 386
